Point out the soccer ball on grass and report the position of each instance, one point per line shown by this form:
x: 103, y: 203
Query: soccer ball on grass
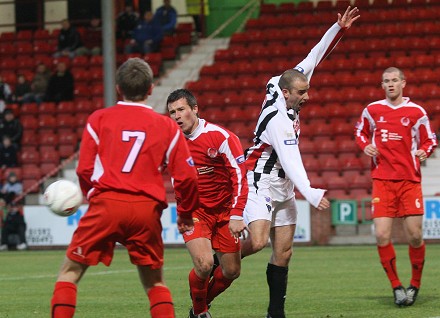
x: 63, y: 197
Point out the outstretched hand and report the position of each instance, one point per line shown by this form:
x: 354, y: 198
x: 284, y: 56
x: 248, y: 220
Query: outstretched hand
x: 350, y: 15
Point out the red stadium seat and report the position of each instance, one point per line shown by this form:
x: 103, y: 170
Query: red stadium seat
x: 49, y: 154
x: 29, y: 122
x: 65, y: 120
x: 29, y: 156
x: 81, y: 90
x: 66, y: 107
x: 7, y: 37
x: 68, y: 136
x: 24, y: 48
x: 47, y: 137
x: 29, y: 109
x: 31, y: 171
x: 49, y: 168
x: 47, y: 121
x: 43, y: 47
x: 8, y: 63
x: 41, y: 35
x: 66, y: 151
x: 47, y: 108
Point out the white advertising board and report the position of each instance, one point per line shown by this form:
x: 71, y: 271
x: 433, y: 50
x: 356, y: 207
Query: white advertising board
x: 47, y: 229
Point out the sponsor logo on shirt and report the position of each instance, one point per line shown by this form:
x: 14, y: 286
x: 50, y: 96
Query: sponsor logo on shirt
x: 205, y: 170
x: 240, y: 159
x: 381, y: 120
x: 190, y: 161
x: 386, y: 135
x: 212, y: 152
x: 290, y: 142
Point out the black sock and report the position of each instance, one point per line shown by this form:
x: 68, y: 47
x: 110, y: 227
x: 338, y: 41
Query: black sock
x: 277, y: 281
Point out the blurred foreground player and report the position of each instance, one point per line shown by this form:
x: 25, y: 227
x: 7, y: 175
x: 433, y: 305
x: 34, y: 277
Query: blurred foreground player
x: 123, y: 152
x: 396, y: 134
x: 276, y: 168
x: 218, y: 223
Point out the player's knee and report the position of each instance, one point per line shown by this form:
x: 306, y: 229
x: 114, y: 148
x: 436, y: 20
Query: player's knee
x: 231, y: 272
x: 416, y: 241
x: 204, y: 266
x: 258, y: 244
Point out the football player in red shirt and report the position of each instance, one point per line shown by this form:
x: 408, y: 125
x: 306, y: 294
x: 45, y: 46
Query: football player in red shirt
x: 396, y: 134
x: 124, y: 150
x: 223, y: 189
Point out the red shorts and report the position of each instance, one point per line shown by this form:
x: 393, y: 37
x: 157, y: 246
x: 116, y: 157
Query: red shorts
x: 132, y: 220
x: 213, y: 225
x: 396, y: 199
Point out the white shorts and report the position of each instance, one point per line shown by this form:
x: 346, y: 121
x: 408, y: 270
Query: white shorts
x: 274, y: 201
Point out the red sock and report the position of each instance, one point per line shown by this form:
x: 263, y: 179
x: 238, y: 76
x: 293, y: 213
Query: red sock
x: 161, y: 303
x: 217, y: 285
x: 198, y: 288
x: 417, y: 259
x: 387, y: 257
x: 63, y: 300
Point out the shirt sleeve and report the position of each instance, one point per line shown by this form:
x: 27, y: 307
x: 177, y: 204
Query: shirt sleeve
x: 87, y: 156
x: 428, y: 139
x: 321, y: 50
x: 363, y: 130
x: 181, y: 167
x: 235, y: 163
x: 284, y: 142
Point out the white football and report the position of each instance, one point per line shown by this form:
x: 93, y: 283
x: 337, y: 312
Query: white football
x: 63, y: 197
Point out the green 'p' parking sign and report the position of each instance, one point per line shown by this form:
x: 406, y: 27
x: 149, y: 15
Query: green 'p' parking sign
x: 344, y: 212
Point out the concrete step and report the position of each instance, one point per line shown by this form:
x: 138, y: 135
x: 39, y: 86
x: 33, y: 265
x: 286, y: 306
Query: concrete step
x: 353, y: 240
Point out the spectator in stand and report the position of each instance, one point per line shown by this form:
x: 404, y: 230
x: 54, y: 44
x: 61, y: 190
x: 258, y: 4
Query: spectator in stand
x: 167, y: 16
x: 69, y: 40
x: 38, y: 85
x: 12, y: 127
x: 194, y: 8
x: 5, y: 94
x: 8, y: 153
x: 11, y: 188
x: 126, y: 22
x: 146, y: 36
x: 92, y: 39
x: 13, y: 223
x: 60, y: 87
x: 22, y: 88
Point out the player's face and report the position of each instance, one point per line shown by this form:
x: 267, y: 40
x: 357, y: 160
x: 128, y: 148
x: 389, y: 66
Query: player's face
x: 184, y: 116
x: 297, y: 95
x: 393, y: 85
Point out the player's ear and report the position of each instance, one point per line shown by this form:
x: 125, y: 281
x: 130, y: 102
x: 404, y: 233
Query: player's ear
x: 118, y: 90
x: 150, y: 90
x: 403, y: 83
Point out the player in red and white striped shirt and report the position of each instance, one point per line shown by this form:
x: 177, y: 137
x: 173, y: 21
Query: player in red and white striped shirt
x: 223, y: 189
x: 395, y: 132
x: 123, y: 152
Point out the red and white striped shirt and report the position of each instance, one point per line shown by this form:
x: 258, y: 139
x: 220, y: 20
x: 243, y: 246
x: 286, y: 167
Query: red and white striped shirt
x: 397, y: 132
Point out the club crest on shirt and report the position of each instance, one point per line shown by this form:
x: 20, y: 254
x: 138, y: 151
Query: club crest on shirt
x: 404, y: 121
x: 212, y: 152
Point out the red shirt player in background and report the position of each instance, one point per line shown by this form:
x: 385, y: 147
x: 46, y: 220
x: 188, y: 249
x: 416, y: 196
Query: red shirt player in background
x: 218, y: 223
x: 123, y: 152
x: 396, y: 134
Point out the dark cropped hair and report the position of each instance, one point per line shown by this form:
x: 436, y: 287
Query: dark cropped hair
x: 134, y: 78
x: 182, y: 93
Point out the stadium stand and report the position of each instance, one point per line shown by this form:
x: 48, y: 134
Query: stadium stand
x: 387, y: 33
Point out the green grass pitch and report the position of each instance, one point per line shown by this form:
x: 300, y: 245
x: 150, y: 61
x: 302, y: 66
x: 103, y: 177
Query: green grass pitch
x: 327, y: 282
